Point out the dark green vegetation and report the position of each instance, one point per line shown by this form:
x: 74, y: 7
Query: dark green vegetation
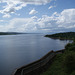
x: 66, y: 35
x: 14, y: 33
x: 64, y: 64
x: 9, y: 33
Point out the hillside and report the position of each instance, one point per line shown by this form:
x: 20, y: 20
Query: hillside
x: 64, y: 64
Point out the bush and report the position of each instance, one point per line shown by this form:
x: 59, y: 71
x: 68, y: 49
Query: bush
x: 73, y: 73
x: 74, y: 40
x: 69, y: 62
x: 68, y: 46
x: 72, y: 48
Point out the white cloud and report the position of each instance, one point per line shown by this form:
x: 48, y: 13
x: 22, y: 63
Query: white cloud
x: 4, y: 28
x: 66, y: 18
x: 33, y: 11
x: 34, y: 17
x: 6, y: 16
x: 13, y: 5
x: 1, y: 20
x: 22, y: 24
x: 64, y: 21
x: 36, y: 2
x: 51, y: 7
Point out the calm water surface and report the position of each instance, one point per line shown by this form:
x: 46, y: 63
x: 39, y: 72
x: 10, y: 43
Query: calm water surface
x: 19, y: 50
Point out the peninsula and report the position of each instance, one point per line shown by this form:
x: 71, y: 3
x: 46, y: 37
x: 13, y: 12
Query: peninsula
x: 62, y: 36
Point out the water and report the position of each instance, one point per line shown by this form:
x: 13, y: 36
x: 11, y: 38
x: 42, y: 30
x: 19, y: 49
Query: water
x: 19, y: 50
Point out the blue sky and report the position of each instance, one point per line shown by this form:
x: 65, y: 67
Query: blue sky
x: 40, y: 16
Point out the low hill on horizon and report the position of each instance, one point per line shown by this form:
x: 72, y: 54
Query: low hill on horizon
x: 9, y: 33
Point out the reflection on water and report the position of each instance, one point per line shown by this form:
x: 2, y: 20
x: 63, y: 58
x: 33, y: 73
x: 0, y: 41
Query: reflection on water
x: 19, y: 50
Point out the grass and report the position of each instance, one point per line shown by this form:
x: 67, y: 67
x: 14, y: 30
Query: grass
x: 56, y: 67
x: 64, y: 64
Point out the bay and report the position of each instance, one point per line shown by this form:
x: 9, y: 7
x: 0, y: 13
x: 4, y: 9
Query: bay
x: 19, y: 50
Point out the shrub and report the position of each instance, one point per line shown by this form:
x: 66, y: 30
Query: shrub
x: 69, y: 62
x: 74, y: 40
x: 72, y: 48
x: 68, y: 46
x: 73, y: 73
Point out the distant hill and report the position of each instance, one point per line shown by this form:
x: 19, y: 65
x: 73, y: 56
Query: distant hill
x: 66, y: 35
x: 9, y: 33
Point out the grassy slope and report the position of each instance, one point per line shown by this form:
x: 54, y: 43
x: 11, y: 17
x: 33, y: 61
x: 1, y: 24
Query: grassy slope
x: 64, y: 64
x: 55, y: 68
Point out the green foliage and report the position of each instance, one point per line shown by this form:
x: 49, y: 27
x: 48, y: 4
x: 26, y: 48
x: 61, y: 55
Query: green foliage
x: 66, y: 35
x: 64, y: 64
x: 55, y: 68
x: 69, y: 62
x: 73, y: 73
x: 68, y: 46
x: 72, y: 48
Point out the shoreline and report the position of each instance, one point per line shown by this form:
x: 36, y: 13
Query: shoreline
x: 60, y: 38
x: 37, y: 66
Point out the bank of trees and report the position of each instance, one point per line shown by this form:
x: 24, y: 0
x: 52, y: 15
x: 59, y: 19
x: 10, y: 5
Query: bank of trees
x: 9, y: 33
x: 66, y: 35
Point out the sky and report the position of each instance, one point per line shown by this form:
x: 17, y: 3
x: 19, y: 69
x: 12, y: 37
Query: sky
x: 37, y: 16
